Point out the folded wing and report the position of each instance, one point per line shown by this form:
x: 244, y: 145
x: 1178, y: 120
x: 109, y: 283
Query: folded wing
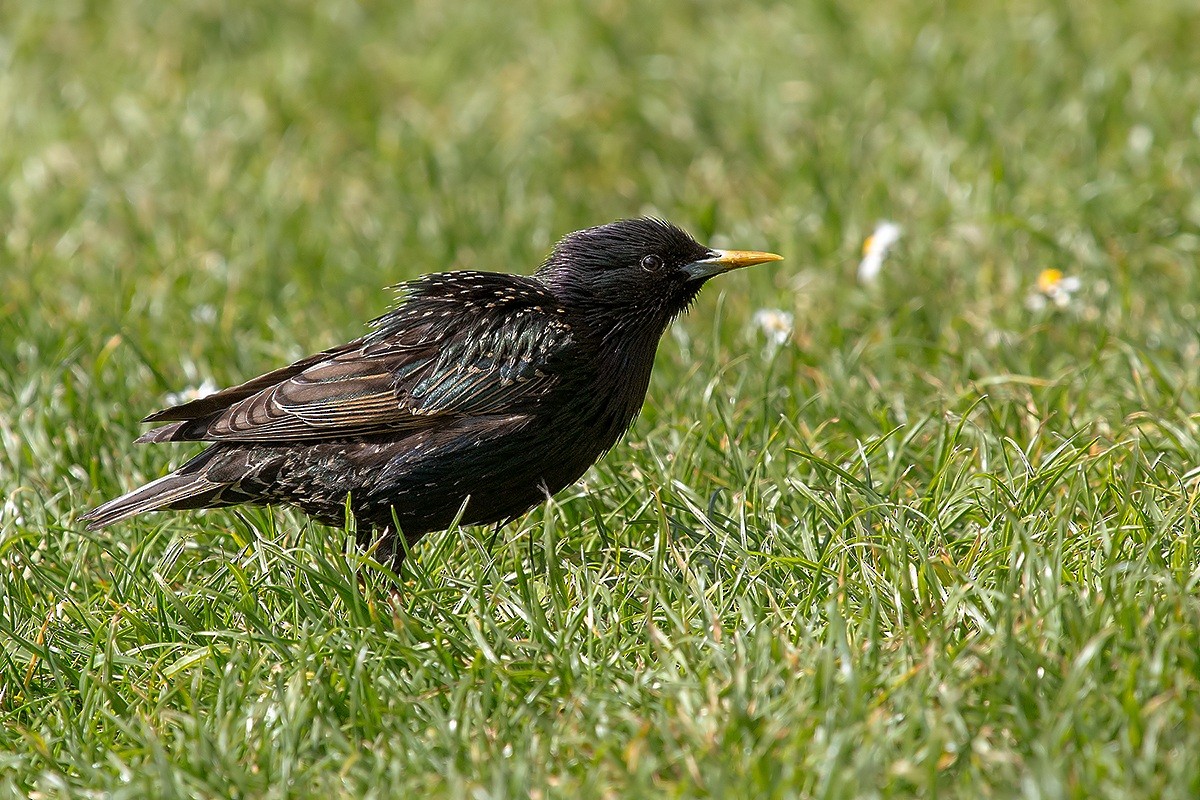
x: 492, y: 348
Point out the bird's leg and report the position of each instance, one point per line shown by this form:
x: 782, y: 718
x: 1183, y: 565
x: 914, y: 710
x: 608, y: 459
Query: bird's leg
x: 495, y: 536
x: 397, y: 546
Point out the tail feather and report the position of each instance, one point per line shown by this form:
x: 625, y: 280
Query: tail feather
x: 172, y: 488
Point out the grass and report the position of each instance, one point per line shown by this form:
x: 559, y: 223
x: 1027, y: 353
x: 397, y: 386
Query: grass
x: 936, y: 544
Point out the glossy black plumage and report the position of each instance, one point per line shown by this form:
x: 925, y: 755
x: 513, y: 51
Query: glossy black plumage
x: 503, y: 388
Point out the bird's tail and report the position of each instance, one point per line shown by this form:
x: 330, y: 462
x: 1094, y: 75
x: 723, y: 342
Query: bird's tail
x: 188, y: 486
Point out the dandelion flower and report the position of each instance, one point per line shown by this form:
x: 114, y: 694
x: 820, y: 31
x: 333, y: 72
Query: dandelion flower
x: 875, y: 249
x: 776, y: 325
x: 1053, y: 287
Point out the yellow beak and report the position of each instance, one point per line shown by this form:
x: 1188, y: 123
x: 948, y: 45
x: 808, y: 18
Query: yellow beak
x: 726, y: 260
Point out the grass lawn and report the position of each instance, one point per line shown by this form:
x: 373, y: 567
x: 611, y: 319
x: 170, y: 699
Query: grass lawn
x: 943, y: 540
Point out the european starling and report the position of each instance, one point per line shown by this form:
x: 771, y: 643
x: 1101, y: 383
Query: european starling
x: 491, y: 389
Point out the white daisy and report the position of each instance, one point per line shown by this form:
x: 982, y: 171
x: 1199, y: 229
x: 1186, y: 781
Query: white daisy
x: 192, y: 393
x: 875, y: 249
x: 776, y: 325
x: 1053, y: 288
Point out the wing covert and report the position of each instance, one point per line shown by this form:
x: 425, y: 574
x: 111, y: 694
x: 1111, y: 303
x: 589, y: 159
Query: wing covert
x: 426, y: 361
x: 503, y: 369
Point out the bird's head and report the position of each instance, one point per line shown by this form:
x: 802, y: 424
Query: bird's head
x: 644, y: 269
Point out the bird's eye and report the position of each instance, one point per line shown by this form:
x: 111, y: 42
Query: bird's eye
x: 652, y: 263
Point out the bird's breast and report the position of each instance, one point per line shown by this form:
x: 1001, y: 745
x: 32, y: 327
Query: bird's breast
x: 602, y: 408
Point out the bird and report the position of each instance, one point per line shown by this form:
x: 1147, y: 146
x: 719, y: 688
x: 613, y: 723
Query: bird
x: 476, y: 397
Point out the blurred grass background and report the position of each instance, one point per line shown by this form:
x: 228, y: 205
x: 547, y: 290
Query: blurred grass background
x: 938, y: 542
